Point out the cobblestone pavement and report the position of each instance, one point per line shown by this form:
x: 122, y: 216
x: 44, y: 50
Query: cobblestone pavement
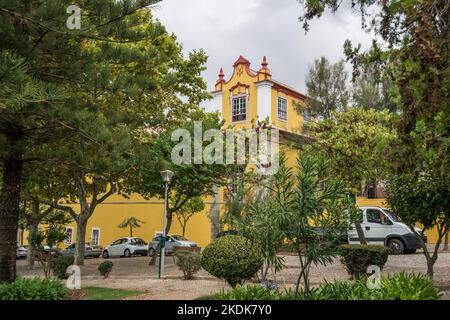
x: 135, y: 274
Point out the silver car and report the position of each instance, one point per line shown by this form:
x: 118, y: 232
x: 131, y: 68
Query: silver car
x: 172, y: 241
x: 21, y: 252
x: 93, y: 251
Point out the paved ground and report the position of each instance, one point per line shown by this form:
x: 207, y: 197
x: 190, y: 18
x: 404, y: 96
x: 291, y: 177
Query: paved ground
x: 135, y: 274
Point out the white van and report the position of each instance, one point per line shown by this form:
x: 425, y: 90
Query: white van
x: 382, y: 227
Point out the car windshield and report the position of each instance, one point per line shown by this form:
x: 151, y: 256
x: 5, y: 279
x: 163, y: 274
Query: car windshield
x: 180, y: 238
x: 392, y: 215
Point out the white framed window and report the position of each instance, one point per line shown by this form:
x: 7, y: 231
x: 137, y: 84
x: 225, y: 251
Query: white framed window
x: 69, y: 235
x: 239, y: 111
x: 282, y: 108
x: 95, y: 236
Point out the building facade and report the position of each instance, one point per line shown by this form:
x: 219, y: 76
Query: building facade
x: 246, y: 97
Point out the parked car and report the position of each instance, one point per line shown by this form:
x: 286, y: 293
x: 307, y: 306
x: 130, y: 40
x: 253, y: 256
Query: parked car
x: 382, y: 227
x: 126, y: 247
x: 21, y: 252
x: 172, y: 241
x: 227, y: 233
x: 93, y: 251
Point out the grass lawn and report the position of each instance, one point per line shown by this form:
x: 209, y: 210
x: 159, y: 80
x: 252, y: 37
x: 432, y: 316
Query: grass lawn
x: 94, y: 293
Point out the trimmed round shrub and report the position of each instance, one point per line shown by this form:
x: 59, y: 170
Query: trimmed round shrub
x: 33, y: 289
x: 59, y: 266
x: 357, y: 258
x: 189, y: 262
x: 105, y: 268
x: 232, y: 258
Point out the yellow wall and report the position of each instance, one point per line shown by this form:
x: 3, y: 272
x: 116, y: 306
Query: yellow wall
x: 110, y: 214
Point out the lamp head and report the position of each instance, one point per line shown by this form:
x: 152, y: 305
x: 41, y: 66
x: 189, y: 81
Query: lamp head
x: 166, y: 175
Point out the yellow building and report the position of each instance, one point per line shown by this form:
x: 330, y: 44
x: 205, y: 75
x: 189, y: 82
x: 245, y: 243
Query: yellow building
x: 247, y: 96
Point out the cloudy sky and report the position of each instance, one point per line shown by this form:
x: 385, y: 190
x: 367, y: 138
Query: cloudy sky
x: 226, y: 29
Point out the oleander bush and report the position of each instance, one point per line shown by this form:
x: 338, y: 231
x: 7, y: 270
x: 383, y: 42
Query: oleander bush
x: 402, y: 286
x: 189, y: 262
x: 357, y: 258
x: 33, y: 289
x: 232, y: 258
x: 59, y: 266
x: 105, y: 268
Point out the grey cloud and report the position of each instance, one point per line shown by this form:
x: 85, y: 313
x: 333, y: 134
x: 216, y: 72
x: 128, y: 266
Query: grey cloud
x: 253, y: 28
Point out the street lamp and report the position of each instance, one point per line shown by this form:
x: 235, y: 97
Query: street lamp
x: 166, y: 176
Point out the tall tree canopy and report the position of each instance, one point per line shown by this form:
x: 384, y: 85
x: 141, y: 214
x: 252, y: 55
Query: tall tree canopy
x: 80, y: 100
x: 326, y: 85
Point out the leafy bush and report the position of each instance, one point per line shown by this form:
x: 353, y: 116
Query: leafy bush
x: 232, y: 258
x: 399, y: 287
x: 357, y: 258
x: 33, y: 289
x: 250, y: 292
x: 59, y: 266
x: 406, y: 286
x: 189, y: 262
x: 105, y: 268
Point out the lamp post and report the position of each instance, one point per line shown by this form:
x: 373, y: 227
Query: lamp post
x: 166, y: 176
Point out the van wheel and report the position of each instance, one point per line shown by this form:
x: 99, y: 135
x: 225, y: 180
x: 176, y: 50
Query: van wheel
x: 396, y: 246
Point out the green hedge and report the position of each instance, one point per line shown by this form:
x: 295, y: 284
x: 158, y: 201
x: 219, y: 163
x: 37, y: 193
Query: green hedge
x: 232, y: 258
x: 59, y: 266
x: 357, y: 258
x: 105, y: 268
x: 400, y: 287
x: 189, y: 262
x: 33, y: 289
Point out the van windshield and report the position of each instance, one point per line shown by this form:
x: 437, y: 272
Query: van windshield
x: 392, y: 215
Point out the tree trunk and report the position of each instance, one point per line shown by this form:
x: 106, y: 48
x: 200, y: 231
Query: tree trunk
x: 360, y: 231
x: 131, y: 231
x: 169, y: 220
x: 9, y: 216
x: 430, y: 268
x: 214, y: 214
x: 33, y: 229
x: 446, y: 241
x: 80, y: 241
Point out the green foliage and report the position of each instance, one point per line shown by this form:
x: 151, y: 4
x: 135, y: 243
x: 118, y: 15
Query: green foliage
x: 83, y: 103
x: 59, y: 266
x: 105, y: 268
x: 326, y: 85
x: 131, y: 223
x: 189, y: 262
x: 247, y: 292
x: 232, y: 258
x: 312, y: 210
x: 356, y: 141
x: 94, y: 293
x: 190, y: 180
x: 357, y: 258
x: 260, y: 224
x: 185, y: 213
x: 399, y: 287
x: 33, y: 289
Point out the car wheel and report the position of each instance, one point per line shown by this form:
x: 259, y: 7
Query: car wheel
x: 105, y: 254
x: 396, y: 246
x: 151, y: 252
x: 127, y: 253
